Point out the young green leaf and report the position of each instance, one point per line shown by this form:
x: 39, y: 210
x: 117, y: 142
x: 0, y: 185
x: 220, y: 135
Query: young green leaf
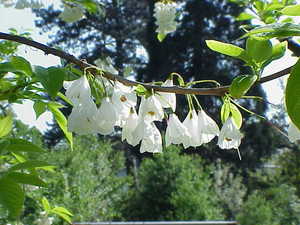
x: 244, y: 16
x: 5, y: 125
x: 21, y: 64
x: 61, y: 120
x: 291, y: 10
x: 64, y: 214
x: 30, y: 164
x: 227, y: 49
x: 278, y: 51
x: 292, y: 95
x: 39, y: 108
x: 46, y: 205
x: 51, y: 78
x: 241, y: 84
x: 24, y: 178
x: 236, y: 115
x: 21, y: 145
x: 258, y: 49
x: 161, y: 37
x: 225, y: 111
x: 280, y: 30
x: 11, y: 197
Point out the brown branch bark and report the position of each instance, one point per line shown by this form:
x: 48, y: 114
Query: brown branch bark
x: 219, y: 91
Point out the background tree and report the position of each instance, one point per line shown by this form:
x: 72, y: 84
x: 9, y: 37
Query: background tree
x: 128, y: 28
x: 172, y: 187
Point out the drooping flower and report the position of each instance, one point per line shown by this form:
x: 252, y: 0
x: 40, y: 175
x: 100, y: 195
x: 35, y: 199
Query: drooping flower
x: 168, y: 100
x: 293, y: 133
x: 230, y: 136
x: 151, y: 141
x: 151, y: 109
x: 139, y: 131
x: 106, y: 117
x: 165, y: 14
x: 129, y: 126
x: 176, y: 132
x: 123, y: 99
x: 207, y: 127
x: 82, y: 119
x: 71, y: 14
x: 191, y: 123
x: 78, y: 91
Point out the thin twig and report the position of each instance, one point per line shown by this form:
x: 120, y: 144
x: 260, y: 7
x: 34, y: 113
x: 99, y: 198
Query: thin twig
x: 218, y: 91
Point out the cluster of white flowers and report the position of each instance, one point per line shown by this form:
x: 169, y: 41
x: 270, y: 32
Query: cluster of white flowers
x: 165, y: 14
x: 22, y: 4
x: 119, y: 109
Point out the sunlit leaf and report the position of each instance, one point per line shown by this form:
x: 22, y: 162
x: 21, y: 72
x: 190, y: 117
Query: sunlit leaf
x: 291, y: 10
x: 292, y: 95
x: 5, y: 125
x: 227, y: 49
x: 11, y: 197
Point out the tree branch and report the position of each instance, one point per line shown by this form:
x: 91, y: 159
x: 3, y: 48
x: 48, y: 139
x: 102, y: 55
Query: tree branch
x: 219, y: 91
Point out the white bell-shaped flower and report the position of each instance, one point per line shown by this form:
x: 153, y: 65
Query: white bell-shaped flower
x: 230, y: 136
x: 82, y: 119
x: 207, y: 127
x: 176, y: 132
x: 168, y: 100
x: 71, y: 14
x: 123, y: 99
x: 191, y: 123
x: 151, y: 109
x: 78, y: 91
x: 293, y: 133
x: 151, y: 141
x: 139, y: 131
x: 106, y: 117
x: 165, y: 14
x: 129, y: 126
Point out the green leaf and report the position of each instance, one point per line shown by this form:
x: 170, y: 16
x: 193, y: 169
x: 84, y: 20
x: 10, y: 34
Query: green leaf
x: 225, y: 111
x: 291, y: 10
x: 62, y: 210
x: 30, y: 164
x: 21, y: 64
x: 63, y: 215
x: 161, y: 37
x: 259, y: 49
x: 236, y: 115
x: 61, y: 120
x: 227, y: 49
x: 46, y: 204
x: 5, y: 125
x: 51, y: 78
x: 39, y: 108
x: 140, y: 90
x: 21, y: 145
x: 11, y: 197
x: 280, y: 30
x: 245, y: 16
x: 278, y: 51
x: 292, y: 95
x: 25, y: 178
x: 241, y: 84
